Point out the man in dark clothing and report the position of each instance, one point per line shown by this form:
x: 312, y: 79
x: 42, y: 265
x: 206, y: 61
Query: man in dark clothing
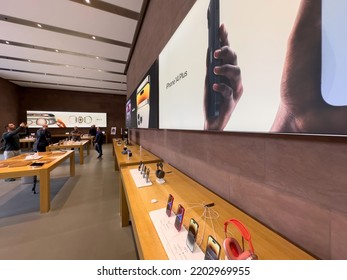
x: 11, y: 142
x: 43, y: 139
x: 99, y: 140
x: 25, y: 132
x: 92, y: 130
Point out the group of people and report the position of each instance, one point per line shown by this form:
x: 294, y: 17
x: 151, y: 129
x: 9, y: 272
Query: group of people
x: 10, y: 139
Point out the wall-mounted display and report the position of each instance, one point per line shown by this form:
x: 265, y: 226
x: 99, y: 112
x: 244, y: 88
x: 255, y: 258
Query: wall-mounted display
x: 256, y: 66
x: 142, y: 106
x: 66, y: 119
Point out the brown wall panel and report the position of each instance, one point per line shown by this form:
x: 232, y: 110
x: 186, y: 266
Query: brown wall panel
x: 294, y: 184
x: 338, y: 236
x: 71, y: 101
x: 312, y: 170
x: 8, y: 103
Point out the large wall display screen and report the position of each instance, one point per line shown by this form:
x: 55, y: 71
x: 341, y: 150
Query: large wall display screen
x: 65, y: 119
x: 257, y: 66
x: 142, y: 106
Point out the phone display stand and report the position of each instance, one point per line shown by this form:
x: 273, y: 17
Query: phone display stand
x: 207, y: 215
x: 160, y: 181
x: 174, y: 242
x: 138, y: 179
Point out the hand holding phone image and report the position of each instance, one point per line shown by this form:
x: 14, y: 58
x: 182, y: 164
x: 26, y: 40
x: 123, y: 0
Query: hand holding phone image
x: 169, y: 205
x: 179, y: 217
x: 192, y: 234
x: 302, y: 107
x: 212, y: 249
x: 223, y: 85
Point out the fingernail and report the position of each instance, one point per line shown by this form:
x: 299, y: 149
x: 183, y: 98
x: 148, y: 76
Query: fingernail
x: 216, y: 70
x: 216, y: 53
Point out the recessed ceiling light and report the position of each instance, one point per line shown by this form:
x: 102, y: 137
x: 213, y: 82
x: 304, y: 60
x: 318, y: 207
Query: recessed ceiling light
x: 87, y: 1
x: 39, y: 25
x: 97, y: 57
x: 99, y: 70
x: 93, y: 37
x: 67, y: 65
x: 56, y: 51
x: 7, y: 42
x: 29, y: 60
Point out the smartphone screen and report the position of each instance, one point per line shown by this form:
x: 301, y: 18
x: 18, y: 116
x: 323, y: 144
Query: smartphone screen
x: 334, y: 58
x: 214, y: 98
x: 212, y: 249
x: 179, y: 217
x: 142, y: 101
x: 192, y: 234
x: 169, y: 205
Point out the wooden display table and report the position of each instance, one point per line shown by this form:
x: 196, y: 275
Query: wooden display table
x: 138, y: 155
x: 19, y: 167
x: 90, y: 138
x: 71, y: 145
x: 267, y: 244
x: 27, y: 142
x: 121, y: 160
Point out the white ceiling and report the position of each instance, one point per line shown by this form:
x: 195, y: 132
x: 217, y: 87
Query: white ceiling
x: 61, y: 54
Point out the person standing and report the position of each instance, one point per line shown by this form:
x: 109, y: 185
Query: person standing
x: 76, y: 134
x: 11, y: 142
x: 92, y: 130
x: 43, y: 139
x: 99, y: 140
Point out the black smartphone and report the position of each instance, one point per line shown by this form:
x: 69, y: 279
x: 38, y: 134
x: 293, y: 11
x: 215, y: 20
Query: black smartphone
x: 192, y: 234
x: 212, y: 249
x: 37, y: 164
x: 169, y: 205
x: 214, y: 98
x: 179, y: 217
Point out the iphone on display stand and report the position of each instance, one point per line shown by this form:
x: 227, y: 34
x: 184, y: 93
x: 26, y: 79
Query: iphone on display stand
x: 214, y: 98
x: 334, y: 57
x: 212, y: 249
x: 169, y: 205
x: 192, y: 234
x: 179, y: 217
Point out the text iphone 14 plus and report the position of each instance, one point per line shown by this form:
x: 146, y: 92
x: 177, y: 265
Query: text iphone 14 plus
x: 192, y: 234
x: 169, y: 205
x: 212, y: 249
x: 214, y: 98
x: 179, y: 217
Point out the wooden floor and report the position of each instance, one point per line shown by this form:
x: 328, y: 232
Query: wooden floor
x: 84, y: 221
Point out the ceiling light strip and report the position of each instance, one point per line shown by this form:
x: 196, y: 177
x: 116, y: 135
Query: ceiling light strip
x: 65, y: 85
x: 109, y: 8
x: 63, y: 31
x: 58, y: 75
x: 36, y: 47
x: 55, y: 64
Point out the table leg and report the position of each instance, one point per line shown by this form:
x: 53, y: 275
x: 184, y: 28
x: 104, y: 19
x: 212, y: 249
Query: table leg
x: 123, y: 210
x: 45, y: 191
x: 72, y: 164
x: 88, y: 147
x: 81, y: 155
